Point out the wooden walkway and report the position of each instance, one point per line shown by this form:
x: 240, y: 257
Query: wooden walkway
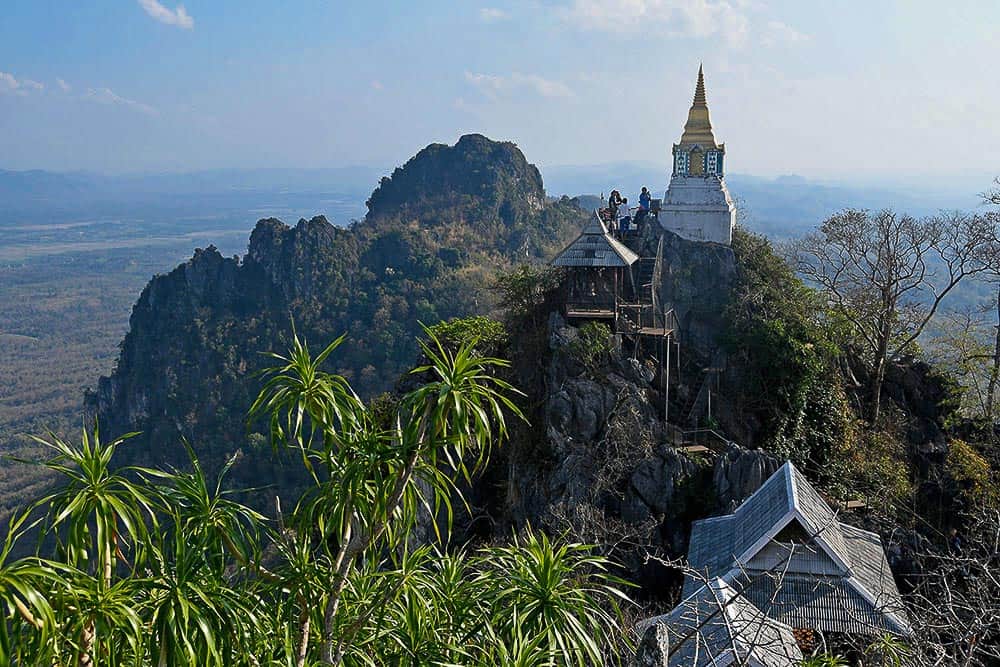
x: 697, y: 441
x: 652, y: 331
x: 590, y: 313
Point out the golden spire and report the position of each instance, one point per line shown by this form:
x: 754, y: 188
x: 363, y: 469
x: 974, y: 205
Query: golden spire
x: 698, y: 129
x: 699, y: 89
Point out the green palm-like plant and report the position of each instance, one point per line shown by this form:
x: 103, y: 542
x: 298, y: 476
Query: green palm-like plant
x: 370, y: 483
x: 23, y: 587
x: 562, y: 592
x: 419, y: 611
x: 99, y: 620
x: 167, y: 568
x: 206, y: 514
x: 888, y: 650
x: 460, y: 410
x: 97, y: 514
x: 517, y: 649
x: 98, y: 517
x: 298, y: 584
x: 195, y: 616
x: 304, y: 403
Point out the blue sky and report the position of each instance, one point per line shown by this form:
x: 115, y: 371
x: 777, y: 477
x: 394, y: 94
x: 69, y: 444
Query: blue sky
x: 835, y: 90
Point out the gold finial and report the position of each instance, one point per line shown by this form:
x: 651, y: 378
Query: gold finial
x: 698, y: 129
x: 699, y: 89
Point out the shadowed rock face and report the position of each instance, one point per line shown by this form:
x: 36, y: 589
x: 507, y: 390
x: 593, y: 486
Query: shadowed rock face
x: 600, y: 466
x: 698, y: 280
x: 195, y: 337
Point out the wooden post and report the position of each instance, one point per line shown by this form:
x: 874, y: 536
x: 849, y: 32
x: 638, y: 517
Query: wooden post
x: 666, y: 381
x: 615, y: 307
x: 678, y: 344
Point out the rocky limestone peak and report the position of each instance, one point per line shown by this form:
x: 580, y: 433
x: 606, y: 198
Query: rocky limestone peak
x: 449, y: 219
x: 476, y: 166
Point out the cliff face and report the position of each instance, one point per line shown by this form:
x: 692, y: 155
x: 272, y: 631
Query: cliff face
x: 436, y: 233
x: 697, y: 284
x: 596, y: 462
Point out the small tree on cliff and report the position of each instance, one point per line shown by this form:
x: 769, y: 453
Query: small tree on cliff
x: 993, y: 197
x: 887, y: 274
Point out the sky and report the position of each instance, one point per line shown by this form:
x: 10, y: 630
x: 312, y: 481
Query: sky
x: 844, y: 90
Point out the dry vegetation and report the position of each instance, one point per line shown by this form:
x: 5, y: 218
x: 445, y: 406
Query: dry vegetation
x: 61, y: 318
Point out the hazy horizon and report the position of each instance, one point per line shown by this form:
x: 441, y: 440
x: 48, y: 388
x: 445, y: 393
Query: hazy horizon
x: 559, y: 179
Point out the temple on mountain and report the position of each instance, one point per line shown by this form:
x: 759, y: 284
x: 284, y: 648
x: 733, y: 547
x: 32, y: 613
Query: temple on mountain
x: 697, y: 204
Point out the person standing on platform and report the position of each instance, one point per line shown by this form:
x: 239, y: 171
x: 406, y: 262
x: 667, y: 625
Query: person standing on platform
x: 614, y: 201
x: 623, y: 218
x: 644, y: 202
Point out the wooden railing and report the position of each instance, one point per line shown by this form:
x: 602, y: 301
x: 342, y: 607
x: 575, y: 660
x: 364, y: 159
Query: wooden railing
x: 699, y: 439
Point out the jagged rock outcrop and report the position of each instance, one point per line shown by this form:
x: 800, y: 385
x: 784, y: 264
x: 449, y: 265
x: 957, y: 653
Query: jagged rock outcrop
x: 436, y: 233
x: 738, y: 473
x: 929, y: 398
x: 698, y: 279
x: 654, y: 647
x: 495, y: 173
x: 599, y: 464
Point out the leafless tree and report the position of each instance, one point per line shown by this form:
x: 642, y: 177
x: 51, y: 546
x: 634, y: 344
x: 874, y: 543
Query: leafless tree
x: 956, y: 602
x: 887, y: 274
x: 992, y: 196
x: 993, y: 259
x: 963, y: 346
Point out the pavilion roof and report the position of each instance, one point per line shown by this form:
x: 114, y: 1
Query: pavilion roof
x: 595, y: 248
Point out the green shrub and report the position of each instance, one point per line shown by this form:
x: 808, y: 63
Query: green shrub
x: 971, y: 474
x: 787, y: 353
x: 484, y: 333
x: 523, y: 289
x: 592, y: 346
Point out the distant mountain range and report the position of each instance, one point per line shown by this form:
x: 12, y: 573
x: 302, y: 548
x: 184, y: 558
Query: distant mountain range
x: 778, y: 207
x: 782, y: 206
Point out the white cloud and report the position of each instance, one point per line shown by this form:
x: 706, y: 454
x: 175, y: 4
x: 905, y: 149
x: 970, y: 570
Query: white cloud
x: 12, y: 85
x: 377, y: 85
x: 691, y: 18
x: 108, y: 96
x: 782, y: 33
x: 494, y: 85
x: 8, y: 84
x: 178, y: 16
x: 492, y: 14
x: 65, y: 87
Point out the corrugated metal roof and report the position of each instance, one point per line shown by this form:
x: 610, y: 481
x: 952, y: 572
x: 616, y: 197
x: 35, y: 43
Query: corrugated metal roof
x: 820, y: 520
x: 712, y: 550
x: 824, y: 603
x: 842, y: 578
x: 595, y: 247
x: 716, y: 626
x: 870, y: 566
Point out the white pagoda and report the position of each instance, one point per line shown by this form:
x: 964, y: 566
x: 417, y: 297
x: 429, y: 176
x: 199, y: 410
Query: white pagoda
x: 697, y: 205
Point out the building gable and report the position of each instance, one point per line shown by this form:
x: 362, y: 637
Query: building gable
x: 786, y: 551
